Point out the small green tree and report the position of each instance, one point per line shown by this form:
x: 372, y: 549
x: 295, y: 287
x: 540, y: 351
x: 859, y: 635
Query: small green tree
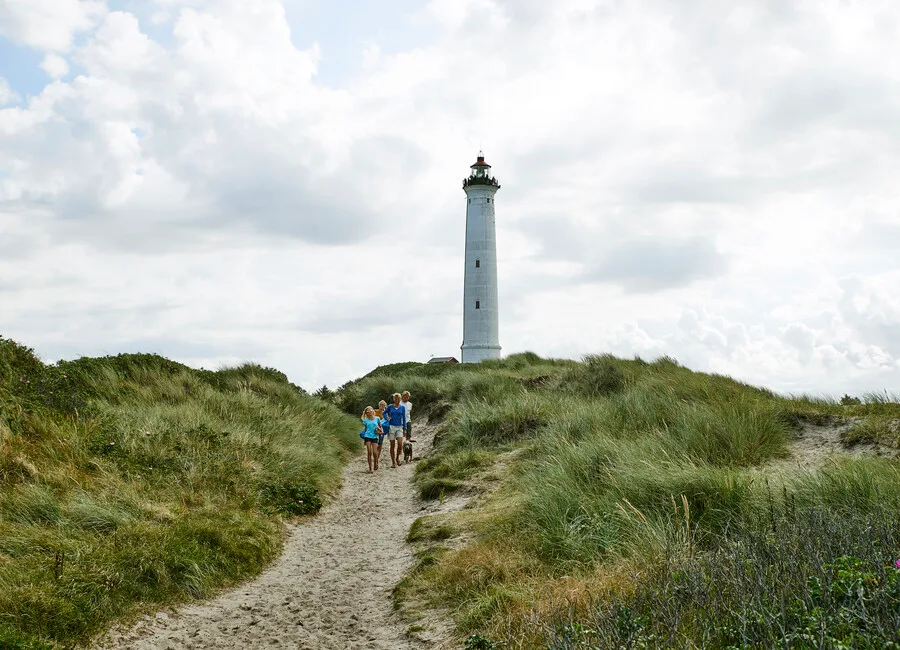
x: 324, y: 393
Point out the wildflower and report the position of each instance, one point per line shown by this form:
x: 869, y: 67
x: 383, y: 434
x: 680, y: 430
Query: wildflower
x: 897, y: 564
x: 137, y: 476
x: 111, y: 444
x: 301, y: 501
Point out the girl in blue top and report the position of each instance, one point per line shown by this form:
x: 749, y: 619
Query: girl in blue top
x: 371, y: 432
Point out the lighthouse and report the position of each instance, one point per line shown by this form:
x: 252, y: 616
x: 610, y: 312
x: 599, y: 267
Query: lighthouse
x: 481, y: 326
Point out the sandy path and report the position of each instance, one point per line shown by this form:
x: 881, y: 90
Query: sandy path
x: 331, y: 587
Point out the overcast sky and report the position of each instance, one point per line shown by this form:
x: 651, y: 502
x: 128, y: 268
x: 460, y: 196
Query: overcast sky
x: 280, y: 181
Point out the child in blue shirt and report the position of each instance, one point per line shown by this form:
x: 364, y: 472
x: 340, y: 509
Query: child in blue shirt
x: 370, y: 433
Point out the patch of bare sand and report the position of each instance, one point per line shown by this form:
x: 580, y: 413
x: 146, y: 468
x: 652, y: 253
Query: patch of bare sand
x: 331, y: 587
x: 814, y: 443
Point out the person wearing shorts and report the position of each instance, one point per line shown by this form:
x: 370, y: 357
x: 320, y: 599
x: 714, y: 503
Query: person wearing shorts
x: 370, y: 433
x: 408, y: 406
x: 395, y: 414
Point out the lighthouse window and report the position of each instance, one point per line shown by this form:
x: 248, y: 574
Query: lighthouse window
x: 489, y: 200
x: 477, y: 264
x: 477, y: 304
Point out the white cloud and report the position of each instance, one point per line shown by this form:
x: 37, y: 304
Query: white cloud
x: 55, y: 66
x: 715, y: 183
x: 7, y: 95
x: 48, y: 24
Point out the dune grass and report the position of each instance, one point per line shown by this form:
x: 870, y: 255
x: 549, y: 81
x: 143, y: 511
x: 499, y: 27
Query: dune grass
x: 626, y: 484
x: 131, y: 482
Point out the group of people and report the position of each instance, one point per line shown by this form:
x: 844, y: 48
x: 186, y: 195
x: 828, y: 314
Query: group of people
x: 391, y: 421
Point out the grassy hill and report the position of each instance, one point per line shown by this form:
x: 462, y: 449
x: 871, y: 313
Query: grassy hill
x: 130, y: 482
x: 627, y: 504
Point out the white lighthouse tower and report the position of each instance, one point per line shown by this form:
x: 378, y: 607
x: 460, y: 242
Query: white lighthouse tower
x: 481, y: 327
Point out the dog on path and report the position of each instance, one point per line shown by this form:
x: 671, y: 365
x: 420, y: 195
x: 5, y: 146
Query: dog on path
x: 407, y: 450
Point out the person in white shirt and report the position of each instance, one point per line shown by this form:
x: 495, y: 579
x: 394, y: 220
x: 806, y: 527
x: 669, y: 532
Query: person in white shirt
x: 408, y: 406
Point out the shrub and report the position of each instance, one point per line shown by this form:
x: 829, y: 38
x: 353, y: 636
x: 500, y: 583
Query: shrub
x: 601, y: 376
x: 479, y: 642
x: 17, y: 362
x: 290, y: 499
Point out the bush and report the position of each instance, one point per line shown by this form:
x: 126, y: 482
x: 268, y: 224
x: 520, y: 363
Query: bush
x: 601, y: 376
x: 291, y: 499
x: 478, y: 642
x: 17, y: 363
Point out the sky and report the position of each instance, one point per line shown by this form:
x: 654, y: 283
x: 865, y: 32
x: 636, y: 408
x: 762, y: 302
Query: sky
x: 279, y: 181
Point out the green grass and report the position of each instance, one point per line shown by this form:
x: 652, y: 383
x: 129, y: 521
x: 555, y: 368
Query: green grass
x: 877, y: 429
x: 132, y: 482
x: 429, y: 529
x: 800, y: 579
x: 610, y: 470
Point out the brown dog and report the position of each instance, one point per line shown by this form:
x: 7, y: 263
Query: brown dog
x: 407, y: 450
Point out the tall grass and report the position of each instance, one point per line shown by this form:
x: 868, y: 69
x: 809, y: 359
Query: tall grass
x: 622, y: 466
x: 131, y: 482
x: 801, y: 578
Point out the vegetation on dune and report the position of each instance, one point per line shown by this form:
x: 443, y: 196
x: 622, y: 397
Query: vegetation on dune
x: 805, y: 578
x: 132, y: 481
x: 639, y: 506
